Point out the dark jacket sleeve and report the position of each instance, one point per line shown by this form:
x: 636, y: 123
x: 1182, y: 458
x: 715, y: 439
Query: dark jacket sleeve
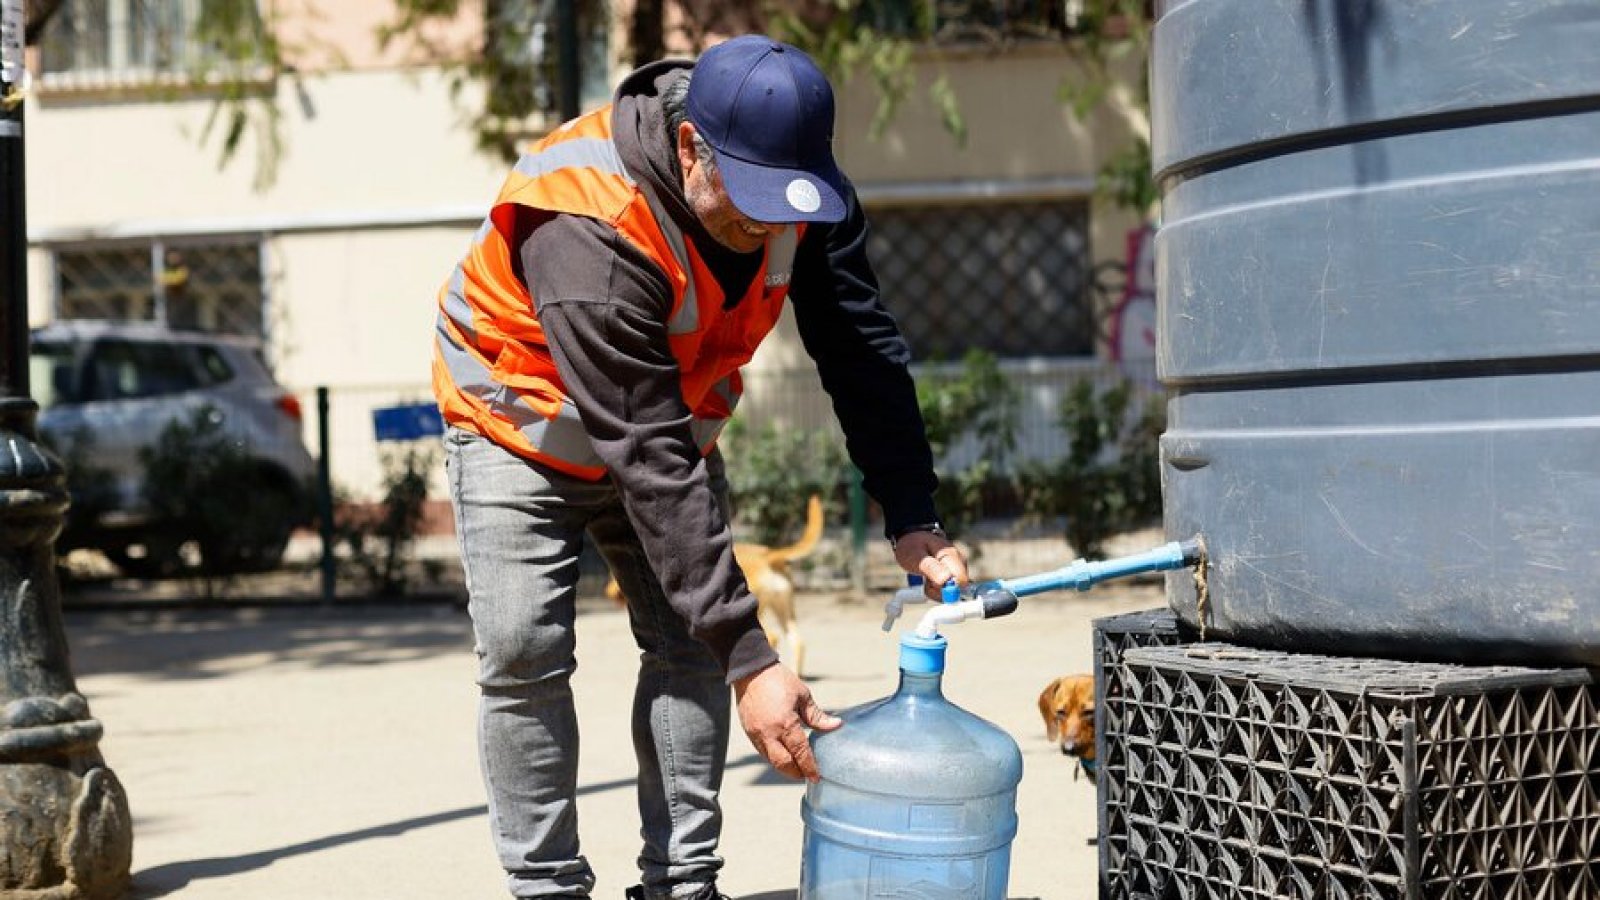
x: 861, y: 358
x: 604, y: 306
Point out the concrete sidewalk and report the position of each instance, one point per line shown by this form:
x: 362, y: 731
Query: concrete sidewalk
x: 329, y: 753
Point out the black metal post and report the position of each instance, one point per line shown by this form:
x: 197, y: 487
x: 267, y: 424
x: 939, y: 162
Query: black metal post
x: 570, y: 67
x: 325, y: 496
x: 65, y: 830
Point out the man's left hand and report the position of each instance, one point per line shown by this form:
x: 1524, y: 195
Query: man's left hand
x: 775, y: 708
x: 934, y: 558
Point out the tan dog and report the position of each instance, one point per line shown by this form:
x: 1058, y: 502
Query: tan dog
x: 766, y: 570
x: 1067, y: 707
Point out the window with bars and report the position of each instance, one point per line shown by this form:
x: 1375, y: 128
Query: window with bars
x: 1008, y: 278
x: 215, y: 287
x: 127, y: 39
x: 524, y: 58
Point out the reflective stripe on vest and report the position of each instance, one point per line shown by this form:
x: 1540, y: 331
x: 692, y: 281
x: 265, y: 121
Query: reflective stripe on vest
x: 563, y: 436
x: 578, y: 153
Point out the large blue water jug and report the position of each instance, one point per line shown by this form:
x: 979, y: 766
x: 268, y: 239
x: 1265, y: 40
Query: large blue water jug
x: 917, y: 799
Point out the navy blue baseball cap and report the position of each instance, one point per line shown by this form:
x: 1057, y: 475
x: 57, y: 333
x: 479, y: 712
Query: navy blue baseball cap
x: 767, y: 112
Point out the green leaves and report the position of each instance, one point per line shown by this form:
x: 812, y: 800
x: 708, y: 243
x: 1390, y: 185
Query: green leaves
x: 771, y: 472
x: 238, y: 58
x: 977, y: 403
x: 378, y: 538
x: 1107, y: 40
x: 1109, y: 479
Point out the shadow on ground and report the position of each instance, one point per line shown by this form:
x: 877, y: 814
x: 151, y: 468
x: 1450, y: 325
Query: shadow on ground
x: 162, y: 881
x: 202, y: 643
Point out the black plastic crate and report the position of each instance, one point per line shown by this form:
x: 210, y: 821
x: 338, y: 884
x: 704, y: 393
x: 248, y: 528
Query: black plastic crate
x: 1242, y: 773
x: 1113, y: 635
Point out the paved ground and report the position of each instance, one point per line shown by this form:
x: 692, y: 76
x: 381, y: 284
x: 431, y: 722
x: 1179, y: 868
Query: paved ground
x: 310, y: 752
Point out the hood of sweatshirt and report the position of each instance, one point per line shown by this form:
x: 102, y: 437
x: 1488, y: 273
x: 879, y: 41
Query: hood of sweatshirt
x: 639, y: 129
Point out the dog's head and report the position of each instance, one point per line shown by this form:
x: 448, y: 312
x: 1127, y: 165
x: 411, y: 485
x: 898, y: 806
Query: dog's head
x: 1067, y: 706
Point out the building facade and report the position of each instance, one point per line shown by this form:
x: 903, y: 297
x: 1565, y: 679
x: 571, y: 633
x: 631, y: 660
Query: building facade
x: 330, y: 243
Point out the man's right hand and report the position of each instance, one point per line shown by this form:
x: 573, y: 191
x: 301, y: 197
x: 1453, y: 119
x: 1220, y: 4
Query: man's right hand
x: 775, y: 707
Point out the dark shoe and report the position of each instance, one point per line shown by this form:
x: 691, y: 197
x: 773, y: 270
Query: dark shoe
x: 708, y: 892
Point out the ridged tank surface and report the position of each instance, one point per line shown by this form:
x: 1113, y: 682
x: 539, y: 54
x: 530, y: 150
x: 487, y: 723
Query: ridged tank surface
x: 1379, y: 292
x: 917, y: 801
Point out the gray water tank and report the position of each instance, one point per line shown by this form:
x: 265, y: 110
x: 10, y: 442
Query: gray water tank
x: 1379, y: 290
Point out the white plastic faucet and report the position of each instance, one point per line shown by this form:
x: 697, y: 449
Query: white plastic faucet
x: 911, y: 593
x: 948, y: 614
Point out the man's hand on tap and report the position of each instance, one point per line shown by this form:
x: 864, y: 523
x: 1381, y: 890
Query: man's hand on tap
x: 931, y: 555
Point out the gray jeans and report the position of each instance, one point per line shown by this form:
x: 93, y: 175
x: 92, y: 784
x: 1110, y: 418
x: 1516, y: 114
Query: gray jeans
x: 521, y: 527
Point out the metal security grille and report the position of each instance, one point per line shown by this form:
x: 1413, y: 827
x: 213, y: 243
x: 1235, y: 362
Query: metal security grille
x: 1246, y: 773
x: 523, y: 41
x: 138, y: 37
x: 1009, y: 278
x: 110, y: 283
x: 214, y: 287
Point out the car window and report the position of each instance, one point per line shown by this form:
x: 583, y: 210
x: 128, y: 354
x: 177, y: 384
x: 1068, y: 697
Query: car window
x: 214, y: 365
x: 124, y: 370
x: 50, y: 374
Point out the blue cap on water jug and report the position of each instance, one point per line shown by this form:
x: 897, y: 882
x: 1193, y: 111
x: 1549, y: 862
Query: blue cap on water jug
x: 950, y: 592
x: 924, y: 656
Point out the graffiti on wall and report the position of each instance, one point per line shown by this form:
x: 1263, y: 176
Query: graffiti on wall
x: 1133, y: 318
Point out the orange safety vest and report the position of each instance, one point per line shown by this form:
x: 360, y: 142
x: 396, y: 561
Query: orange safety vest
x: 492, y: 369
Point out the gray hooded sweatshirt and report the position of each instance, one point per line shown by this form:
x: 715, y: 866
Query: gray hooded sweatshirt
x: 604, y: 308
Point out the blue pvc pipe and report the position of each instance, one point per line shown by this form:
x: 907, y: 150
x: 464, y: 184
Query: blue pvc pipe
x: 1082, y: 575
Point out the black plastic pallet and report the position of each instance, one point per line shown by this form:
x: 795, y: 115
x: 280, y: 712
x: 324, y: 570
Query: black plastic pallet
x: 1228, y: 772
x: 1114, y: 635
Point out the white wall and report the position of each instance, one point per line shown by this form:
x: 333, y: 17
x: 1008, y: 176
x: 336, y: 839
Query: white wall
x: 358, y: 309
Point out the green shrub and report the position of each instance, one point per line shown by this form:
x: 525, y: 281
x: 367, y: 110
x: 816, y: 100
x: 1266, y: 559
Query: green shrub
x: 1109, y: 479
x: 379, y: 538
x: 979, y: 402
x: 771, y: 472
x: 204, y: 486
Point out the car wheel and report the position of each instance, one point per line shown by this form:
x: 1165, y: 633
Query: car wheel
x: 151, y: 556
x: 259, y: 547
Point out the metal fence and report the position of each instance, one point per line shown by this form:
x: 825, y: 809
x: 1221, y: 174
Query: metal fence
x: 793, y: 398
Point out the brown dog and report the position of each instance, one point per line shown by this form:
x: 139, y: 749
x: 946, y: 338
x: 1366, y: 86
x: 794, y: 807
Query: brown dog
x: 1067, y: 707
x: 766, y: 570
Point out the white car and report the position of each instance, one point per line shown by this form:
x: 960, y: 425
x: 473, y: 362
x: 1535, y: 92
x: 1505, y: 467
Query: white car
x: 108, y: 391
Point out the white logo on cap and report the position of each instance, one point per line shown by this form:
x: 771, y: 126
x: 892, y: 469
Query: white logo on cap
x: 802, y: 195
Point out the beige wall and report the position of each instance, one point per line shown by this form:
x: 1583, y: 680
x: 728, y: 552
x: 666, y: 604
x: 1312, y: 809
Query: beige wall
x: 344, y: 34
x: 357, y: 309
x: 358, y: 306
x: 379, y: 142
x: 1017, y: 130
x: 1016, y: 127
